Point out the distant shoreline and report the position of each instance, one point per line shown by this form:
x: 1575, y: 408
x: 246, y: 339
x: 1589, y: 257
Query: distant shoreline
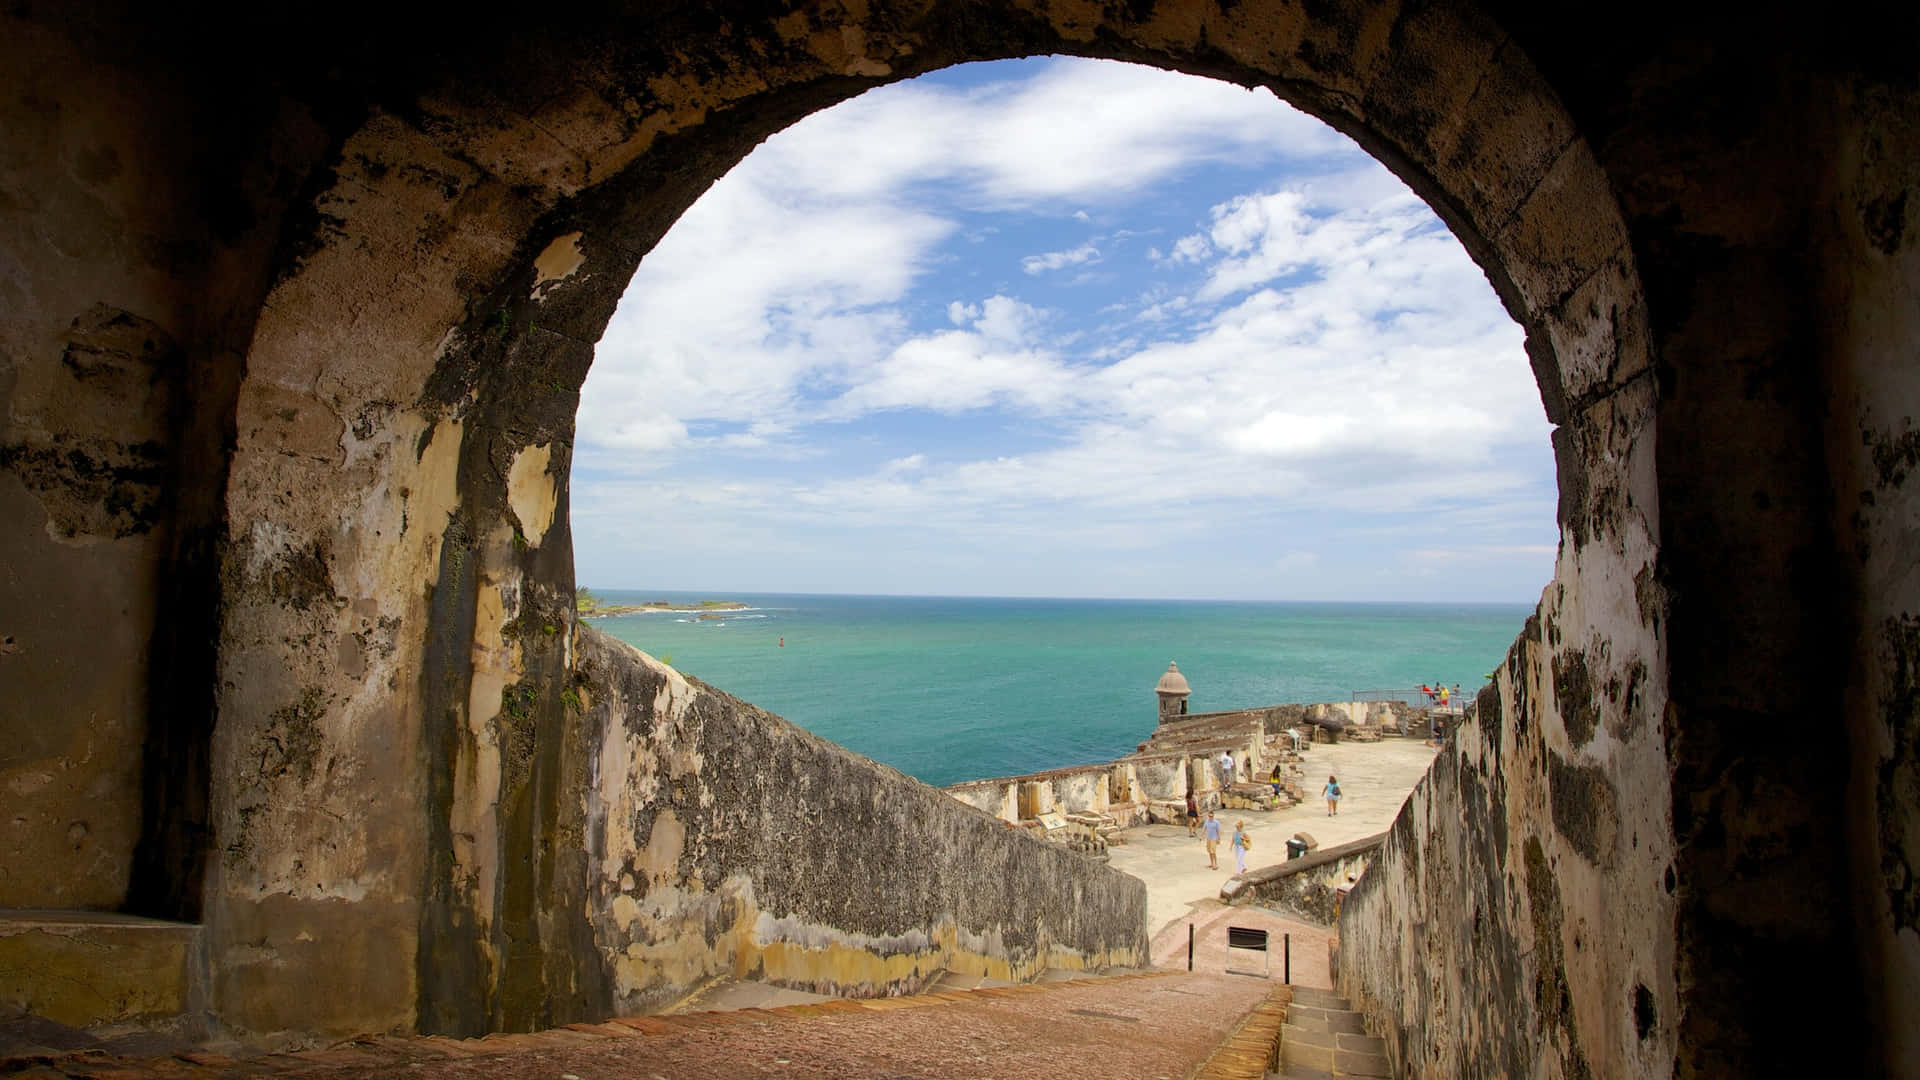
x: 704, y: 607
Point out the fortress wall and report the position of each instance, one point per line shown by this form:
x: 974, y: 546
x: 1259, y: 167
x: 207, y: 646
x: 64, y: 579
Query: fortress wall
x: 1520, y: 917
x: 1001, y: 798
x: 289, y: 370
x: 704, y: 821
x: 1307, y: 886
x: 1871, y: 264
x: 121, y: 327
x: 1518, y: 920
x: 1162, y: 778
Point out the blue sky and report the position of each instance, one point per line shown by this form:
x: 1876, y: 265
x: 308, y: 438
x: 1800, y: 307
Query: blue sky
x: 1060, y: 327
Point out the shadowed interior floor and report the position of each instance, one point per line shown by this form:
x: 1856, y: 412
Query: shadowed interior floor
x: 1150, y: 1025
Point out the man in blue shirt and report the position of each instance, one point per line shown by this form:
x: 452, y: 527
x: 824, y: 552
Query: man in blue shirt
x: 1212, y: 835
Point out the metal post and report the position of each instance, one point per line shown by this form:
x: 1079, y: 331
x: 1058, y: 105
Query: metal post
x: 1189, y: 946
x: 1286, y: 959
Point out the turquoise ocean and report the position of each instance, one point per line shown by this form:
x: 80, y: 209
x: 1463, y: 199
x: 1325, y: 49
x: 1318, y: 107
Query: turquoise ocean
x: 957, y: 688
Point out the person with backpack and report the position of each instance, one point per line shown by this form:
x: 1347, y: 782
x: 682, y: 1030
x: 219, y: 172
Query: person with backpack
x: 1332, y: 792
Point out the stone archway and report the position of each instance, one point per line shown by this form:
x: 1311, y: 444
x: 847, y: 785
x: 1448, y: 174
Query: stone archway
x: 465, y: 395
x: 436, y: 230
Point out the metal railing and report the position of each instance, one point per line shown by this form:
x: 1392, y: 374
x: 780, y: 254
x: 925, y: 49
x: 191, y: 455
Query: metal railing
x: 1410, y: 697
x: 1416, y: 698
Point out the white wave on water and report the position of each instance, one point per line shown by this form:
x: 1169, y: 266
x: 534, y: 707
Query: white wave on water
x: 730, y: 613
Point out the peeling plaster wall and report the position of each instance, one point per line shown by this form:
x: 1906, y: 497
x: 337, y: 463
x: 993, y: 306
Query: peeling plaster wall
x: 1519, y: 919
x: 705, y: 820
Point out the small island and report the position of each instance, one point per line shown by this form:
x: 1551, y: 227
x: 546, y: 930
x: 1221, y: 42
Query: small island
x: 592, y: 607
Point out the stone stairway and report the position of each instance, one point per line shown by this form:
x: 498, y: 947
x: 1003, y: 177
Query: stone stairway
x: 1324, y: 1037
x: 1133, y: 1026
x: 1103, y: 826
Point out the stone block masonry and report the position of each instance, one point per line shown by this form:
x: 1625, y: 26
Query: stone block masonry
x: 1519, y: 914
x: 706, y: 821
x: 1308, y: 886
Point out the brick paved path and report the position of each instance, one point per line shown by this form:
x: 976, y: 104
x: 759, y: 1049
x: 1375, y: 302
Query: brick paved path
x: 1150, y: 1026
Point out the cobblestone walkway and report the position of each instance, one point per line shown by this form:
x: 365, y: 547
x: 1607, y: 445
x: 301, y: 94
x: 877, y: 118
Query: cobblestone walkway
x: 1151, y: 1026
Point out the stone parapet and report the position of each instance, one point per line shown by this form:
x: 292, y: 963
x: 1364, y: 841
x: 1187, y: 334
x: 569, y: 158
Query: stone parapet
x: 1307, y: 886
x: 707, y: 823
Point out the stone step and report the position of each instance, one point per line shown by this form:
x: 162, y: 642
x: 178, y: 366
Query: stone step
x: 1323, y: 999
x: 944, y: 981
x: 92, y: 969
x: 1322, y: 1037
x: 1253, y: 1048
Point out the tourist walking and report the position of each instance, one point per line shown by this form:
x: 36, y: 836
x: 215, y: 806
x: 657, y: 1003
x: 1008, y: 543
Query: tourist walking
x: 1276, y: 780
x: 1240, y: 845
x: 1193, y: 814
x: 1211, y: 834
x: 1226, y: 768
x: 1332, y: 792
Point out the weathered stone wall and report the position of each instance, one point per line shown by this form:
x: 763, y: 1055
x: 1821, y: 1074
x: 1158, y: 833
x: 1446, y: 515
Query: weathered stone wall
x: 1165, y: 778
x: 130, y: 274
x: 1872, y: 274
x: 1108, y: 788
x: 1519, y: 917
x: 1307, y: 886
x: 1001, y: 798
x: 101, y: 970
x: 705, y: 824
x: 1156, y: 773
x: 338, y: 296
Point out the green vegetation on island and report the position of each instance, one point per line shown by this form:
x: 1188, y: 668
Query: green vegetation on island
x: 592, y: 607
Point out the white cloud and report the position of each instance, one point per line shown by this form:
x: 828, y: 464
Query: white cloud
x: 1386, y: 365
x: 1324, y: 347
x: 1191, y: 249
x: 742, y: 304
x: 1080, y: 131
x: 1447, y: 557
x: 993, y: 361
x: 783, y: 275
x: 1006, y: 320
x: 1054, y: 260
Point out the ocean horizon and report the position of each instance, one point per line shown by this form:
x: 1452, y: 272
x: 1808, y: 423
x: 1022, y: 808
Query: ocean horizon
x: 948, y: 689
